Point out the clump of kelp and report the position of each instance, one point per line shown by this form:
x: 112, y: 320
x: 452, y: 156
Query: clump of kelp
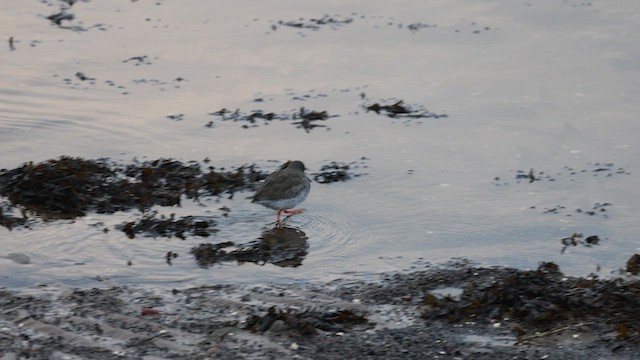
x: 153, y: 225
x: 399, y: 109
x: 542, y: 300
x: 66, y: 15
x: 578, y: 239
x: 315, y: 23
x: 633, y: 264
x: 336, y: 171
x: 302, y: 118
x: 300, y: 323
x: 69, y: 187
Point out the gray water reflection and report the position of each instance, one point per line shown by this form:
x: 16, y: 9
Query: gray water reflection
x: 544, y: 85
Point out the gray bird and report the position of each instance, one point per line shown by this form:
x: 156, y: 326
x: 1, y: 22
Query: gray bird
x: 285, y: 189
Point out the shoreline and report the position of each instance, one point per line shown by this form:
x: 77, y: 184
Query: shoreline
x: 456, y: 311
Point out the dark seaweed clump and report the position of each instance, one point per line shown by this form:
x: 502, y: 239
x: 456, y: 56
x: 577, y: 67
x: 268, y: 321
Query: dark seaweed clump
x: 307, y: 322
x: 401, y: 110
x: 315, y: 24
x: 303, y: 118
x: 65, y: 187
x: 578, y: 239
x: 339, y: 171
x: 541, y: 300
x: 633, y: 264
x: 58, y: 18
x: 251, y: 118
x: 419, y: 26
x: 65, y: 18
x: 152, y: 225
x: 69, y: 187
x: 307, y: 119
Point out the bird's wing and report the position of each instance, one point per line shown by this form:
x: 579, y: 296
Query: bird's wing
x: 277, y: 185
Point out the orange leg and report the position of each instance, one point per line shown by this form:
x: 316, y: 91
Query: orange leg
x: 293, y: 211
x: 280, y: 223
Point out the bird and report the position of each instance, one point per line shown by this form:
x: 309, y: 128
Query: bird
x: 284, y: 189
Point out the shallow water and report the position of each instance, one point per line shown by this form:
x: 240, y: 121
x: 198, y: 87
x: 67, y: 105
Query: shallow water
x: 545, y: 85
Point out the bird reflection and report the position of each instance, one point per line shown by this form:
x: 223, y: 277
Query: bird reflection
x: 286, y: 246
x: 280, y: 246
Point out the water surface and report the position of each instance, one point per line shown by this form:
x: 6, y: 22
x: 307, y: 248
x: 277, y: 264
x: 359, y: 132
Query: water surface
x: 550, y: 85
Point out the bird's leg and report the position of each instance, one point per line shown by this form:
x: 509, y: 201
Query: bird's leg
x: 293, y: 211
x: 280, y: 223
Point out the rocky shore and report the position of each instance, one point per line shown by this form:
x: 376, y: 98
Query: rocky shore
x: 456, y: 311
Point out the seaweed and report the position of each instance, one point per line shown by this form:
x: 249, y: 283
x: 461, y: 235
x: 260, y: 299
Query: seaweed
x: 399, y: 109
x: 303, y: 118
x: 337, y: 171
x: 541, y: 300
x: 152, y: 225
x: 70, y: 187
x: 303, y: 323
